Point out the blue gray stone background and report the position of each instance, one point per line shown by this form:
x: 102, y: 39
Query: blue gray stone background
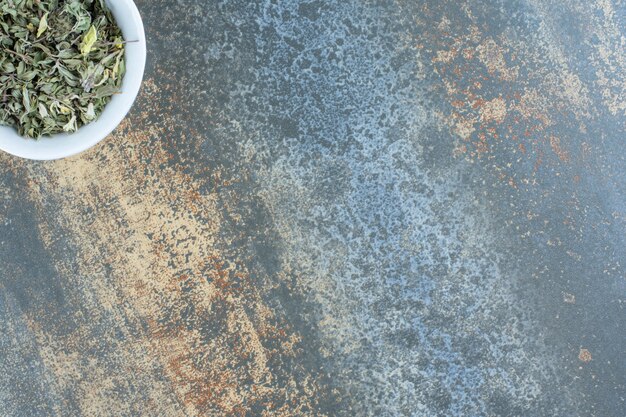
x: 334, y: 208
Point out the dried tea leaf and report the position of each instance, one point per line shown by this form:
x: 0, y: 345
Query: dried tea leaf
x: 91, y: 113
x: 90, y: 38
x: 25, y: 99
x: 43, y: 111
x: 43, y: 25
x: 71, y: 125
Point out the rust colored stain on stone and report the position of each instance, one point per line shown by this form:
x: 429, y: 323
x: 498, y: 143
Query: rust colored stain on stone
x: 555, y: 143
x: 584, y: 356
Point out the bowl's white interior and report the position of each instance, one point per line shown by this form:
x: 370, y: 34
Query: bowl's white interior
x: 63, y: 145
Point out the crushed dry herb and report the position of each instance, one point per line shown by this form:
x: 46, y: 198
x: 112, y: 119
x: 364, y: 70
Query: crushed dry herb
x: 60, y: 63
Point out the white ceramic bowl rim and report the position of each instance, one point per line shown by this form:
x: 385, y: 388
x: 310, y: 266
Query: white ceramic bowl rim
x: 63, y: 145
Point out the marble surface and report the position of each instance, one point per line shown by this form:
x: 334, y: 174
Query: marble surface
x: 334, y: 208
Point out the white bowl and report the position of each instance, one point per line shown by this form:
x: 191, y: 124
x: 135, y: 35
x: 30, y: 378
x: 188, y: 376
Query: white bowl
x: 67, y: 144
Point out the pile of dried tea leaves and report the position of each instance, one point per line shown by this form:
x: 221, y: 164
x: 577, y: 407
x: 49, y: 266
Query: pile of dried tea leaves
x: 60, y: 63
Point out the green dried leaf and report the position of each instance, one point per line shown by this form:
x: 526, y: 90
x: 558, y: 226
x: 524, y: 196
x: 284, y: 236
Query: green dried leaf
x: 43, y: 25
x: 89, y: 40
x: 26, y: 99
x: 43, y: 111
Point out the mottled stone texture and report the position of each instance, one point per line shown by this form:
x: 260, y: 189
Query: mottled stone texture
x: 348, y: 208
